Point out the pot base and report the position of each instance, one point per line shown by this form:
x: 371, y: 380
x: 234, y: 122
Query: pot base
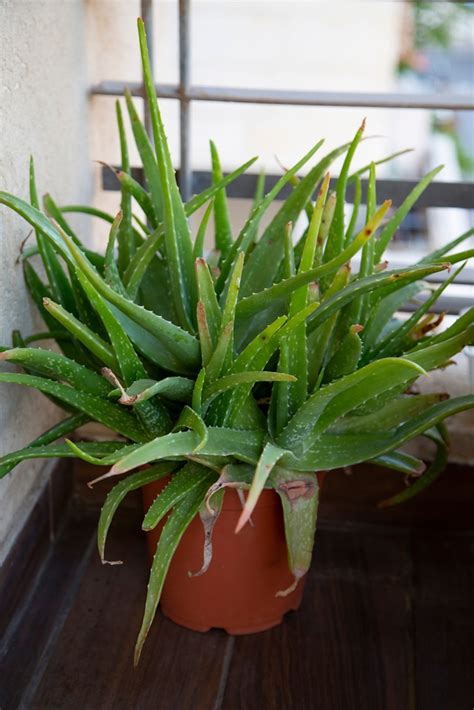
x: 232, y: 630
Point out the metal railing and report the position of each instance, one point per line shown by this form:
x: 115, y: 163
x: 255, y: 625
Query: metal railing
x: 438, y: 194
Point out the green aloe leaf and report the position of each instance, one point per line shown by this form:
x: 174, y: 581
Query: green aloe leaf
x: 174, y: 348
x: 180, y: 486
x: 270, y: 456
x: 263, y: 263
x: 335, y: 242
x: 170, y: 536
x: 66, y: 426
x: 118, y: 493
x: 245, y: 238
x: 435, y: 469
x: 93, y: 342
x: 96, y: 408
x: 336, y: 450
x: 145, y: 149
x: 222, y: 228
x: 400, y: 214
x: 57, y: 366
x: 54, y: 450
x: 340, y: 397
x: 179, y: 250
x: 244, y: 445
x: 402, y: 462
x: 125, y: 233
x: 252, y: 304
x: 299, y: 495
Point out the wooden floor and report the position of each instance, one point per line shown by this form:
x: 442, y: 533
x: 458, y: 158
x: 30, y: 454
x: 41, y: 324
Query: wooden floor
x: 387, y: 623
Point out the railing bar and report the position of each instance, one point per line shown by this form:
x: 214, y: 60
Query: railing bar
x: 295, y: 98
x: 184, y: 103
x: 438, y: 194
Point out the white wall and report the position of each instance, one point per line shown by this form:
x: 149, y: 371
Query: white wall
x: 43, y: 111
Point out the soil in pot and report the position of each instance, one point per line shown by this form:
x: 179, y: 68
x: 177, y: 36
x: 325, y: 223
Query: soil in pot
x: 238, y: 592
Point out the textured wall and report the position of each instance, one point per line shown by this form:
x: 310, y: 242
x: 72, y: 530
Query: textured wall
x: 43, y: 111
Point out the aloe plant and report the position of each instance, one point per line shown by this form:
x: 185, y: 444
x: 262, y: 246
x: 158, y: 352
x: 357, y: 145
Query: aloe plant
x: 256, y: 365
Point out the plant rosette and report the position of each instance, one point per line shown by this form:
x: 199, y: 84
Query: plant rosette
x: 243, y: 369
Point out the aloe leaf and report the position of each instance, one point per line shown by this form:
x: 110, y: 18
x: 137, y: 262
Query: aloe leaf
x: 198, y: 249
x: 400, y: 214
x: 434, y: 470
x: 196, y: 399
x: 381, y: 161
x: 208, y: 297
x: 230, y: 381
x: 244, y: 445
x: 153, y: 415
x: 93, y: 342
x: 55, y: 450
x: 246, y: 235
x: 297, y: 351
x: 224, y: 351
x: 252, y: 304
x: 462, y: 325
x: 57, y: 366
x: 125, y: 234
x: 270, y: 456
x: 222, y: 228
x: 256, y: 357
x: 299, y: 495
x: 58, y: 282
x: 209, y: 516
x: 199, y: 200
x: 394, y: 342
x: 86, y: 209
x: 111, y: 273
x: 171, y: 534
x: 145, y: 149
x: 347, y: 356
x: 56, y: 216
x: 177, y: 237
x: 391, y: 279
x: 96, y: 408
x: 401, y: 461
x: 442, y: 251
x: 66, y: 426
x: 118, y: 493
x: 393, y: 413
x: 336, y: 450
x: 383, y: 311
x: 178, y: 389
x: 335, y: 242
x: 181, y: 485
x: 263, y: 263
x: 174, y: 348
x: 355, y: 210
x: 338, y: 398
x: 133, y: 189
x: 189, y: 419
x: 204, y: 334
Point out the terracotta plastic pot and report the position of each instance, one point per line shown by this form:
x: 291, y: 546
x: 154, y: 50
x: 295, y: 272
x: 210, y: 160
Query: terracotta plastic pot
x: 238, y: 591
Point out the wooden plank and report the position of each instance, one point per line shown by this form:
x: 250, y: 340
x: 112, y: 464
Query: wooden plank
x: 444, y: 620
x: 32, y: 628
x: 92, y: 663
x: 349, y: 644
x: 448, y: 503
